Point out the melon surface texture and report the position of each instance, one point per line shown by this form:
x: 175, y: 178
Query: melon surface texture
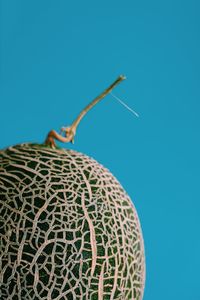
x: 68, y: 230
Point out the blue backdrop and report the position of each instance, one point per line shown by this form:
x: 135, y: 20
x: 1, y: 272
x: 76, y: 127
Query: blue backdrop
x: 56, y: 56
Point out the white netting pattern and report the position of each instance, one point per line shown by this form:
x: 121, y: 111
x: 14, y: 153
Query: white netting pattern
x: 68, y: 230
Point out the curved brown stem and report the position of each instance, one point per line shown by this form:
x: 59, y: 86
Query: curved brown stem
x: 71, y: 131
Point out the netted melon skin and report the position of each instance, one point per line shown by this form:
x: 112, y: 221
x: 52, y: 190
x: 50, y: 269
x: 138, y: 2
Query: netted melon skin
x: 68, y: 230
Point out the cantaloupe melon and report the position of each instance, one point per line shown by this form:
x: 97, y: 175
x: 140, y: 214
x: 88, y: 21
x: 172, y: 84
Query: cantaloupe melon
x: 68, y: 230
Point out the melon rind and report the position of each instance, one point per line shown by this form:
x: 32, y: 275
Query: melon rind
x: 68, y: 230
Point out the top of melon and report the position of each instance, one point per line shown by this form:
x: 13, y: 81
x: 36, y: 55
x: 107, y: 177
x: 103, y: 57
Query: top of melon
x: 68, y: 230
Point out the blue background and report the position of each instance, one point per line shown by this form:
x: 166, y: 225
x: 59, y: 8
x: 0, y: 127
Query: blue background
x: 56, y: 56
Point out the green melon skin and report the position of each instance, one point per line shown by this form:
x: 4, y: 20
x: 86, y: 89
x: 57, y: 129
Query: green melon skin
x: 68, y: 230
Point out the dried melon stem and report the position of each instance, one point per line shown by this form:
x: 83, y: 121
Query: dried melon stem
x: 69, y: 132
